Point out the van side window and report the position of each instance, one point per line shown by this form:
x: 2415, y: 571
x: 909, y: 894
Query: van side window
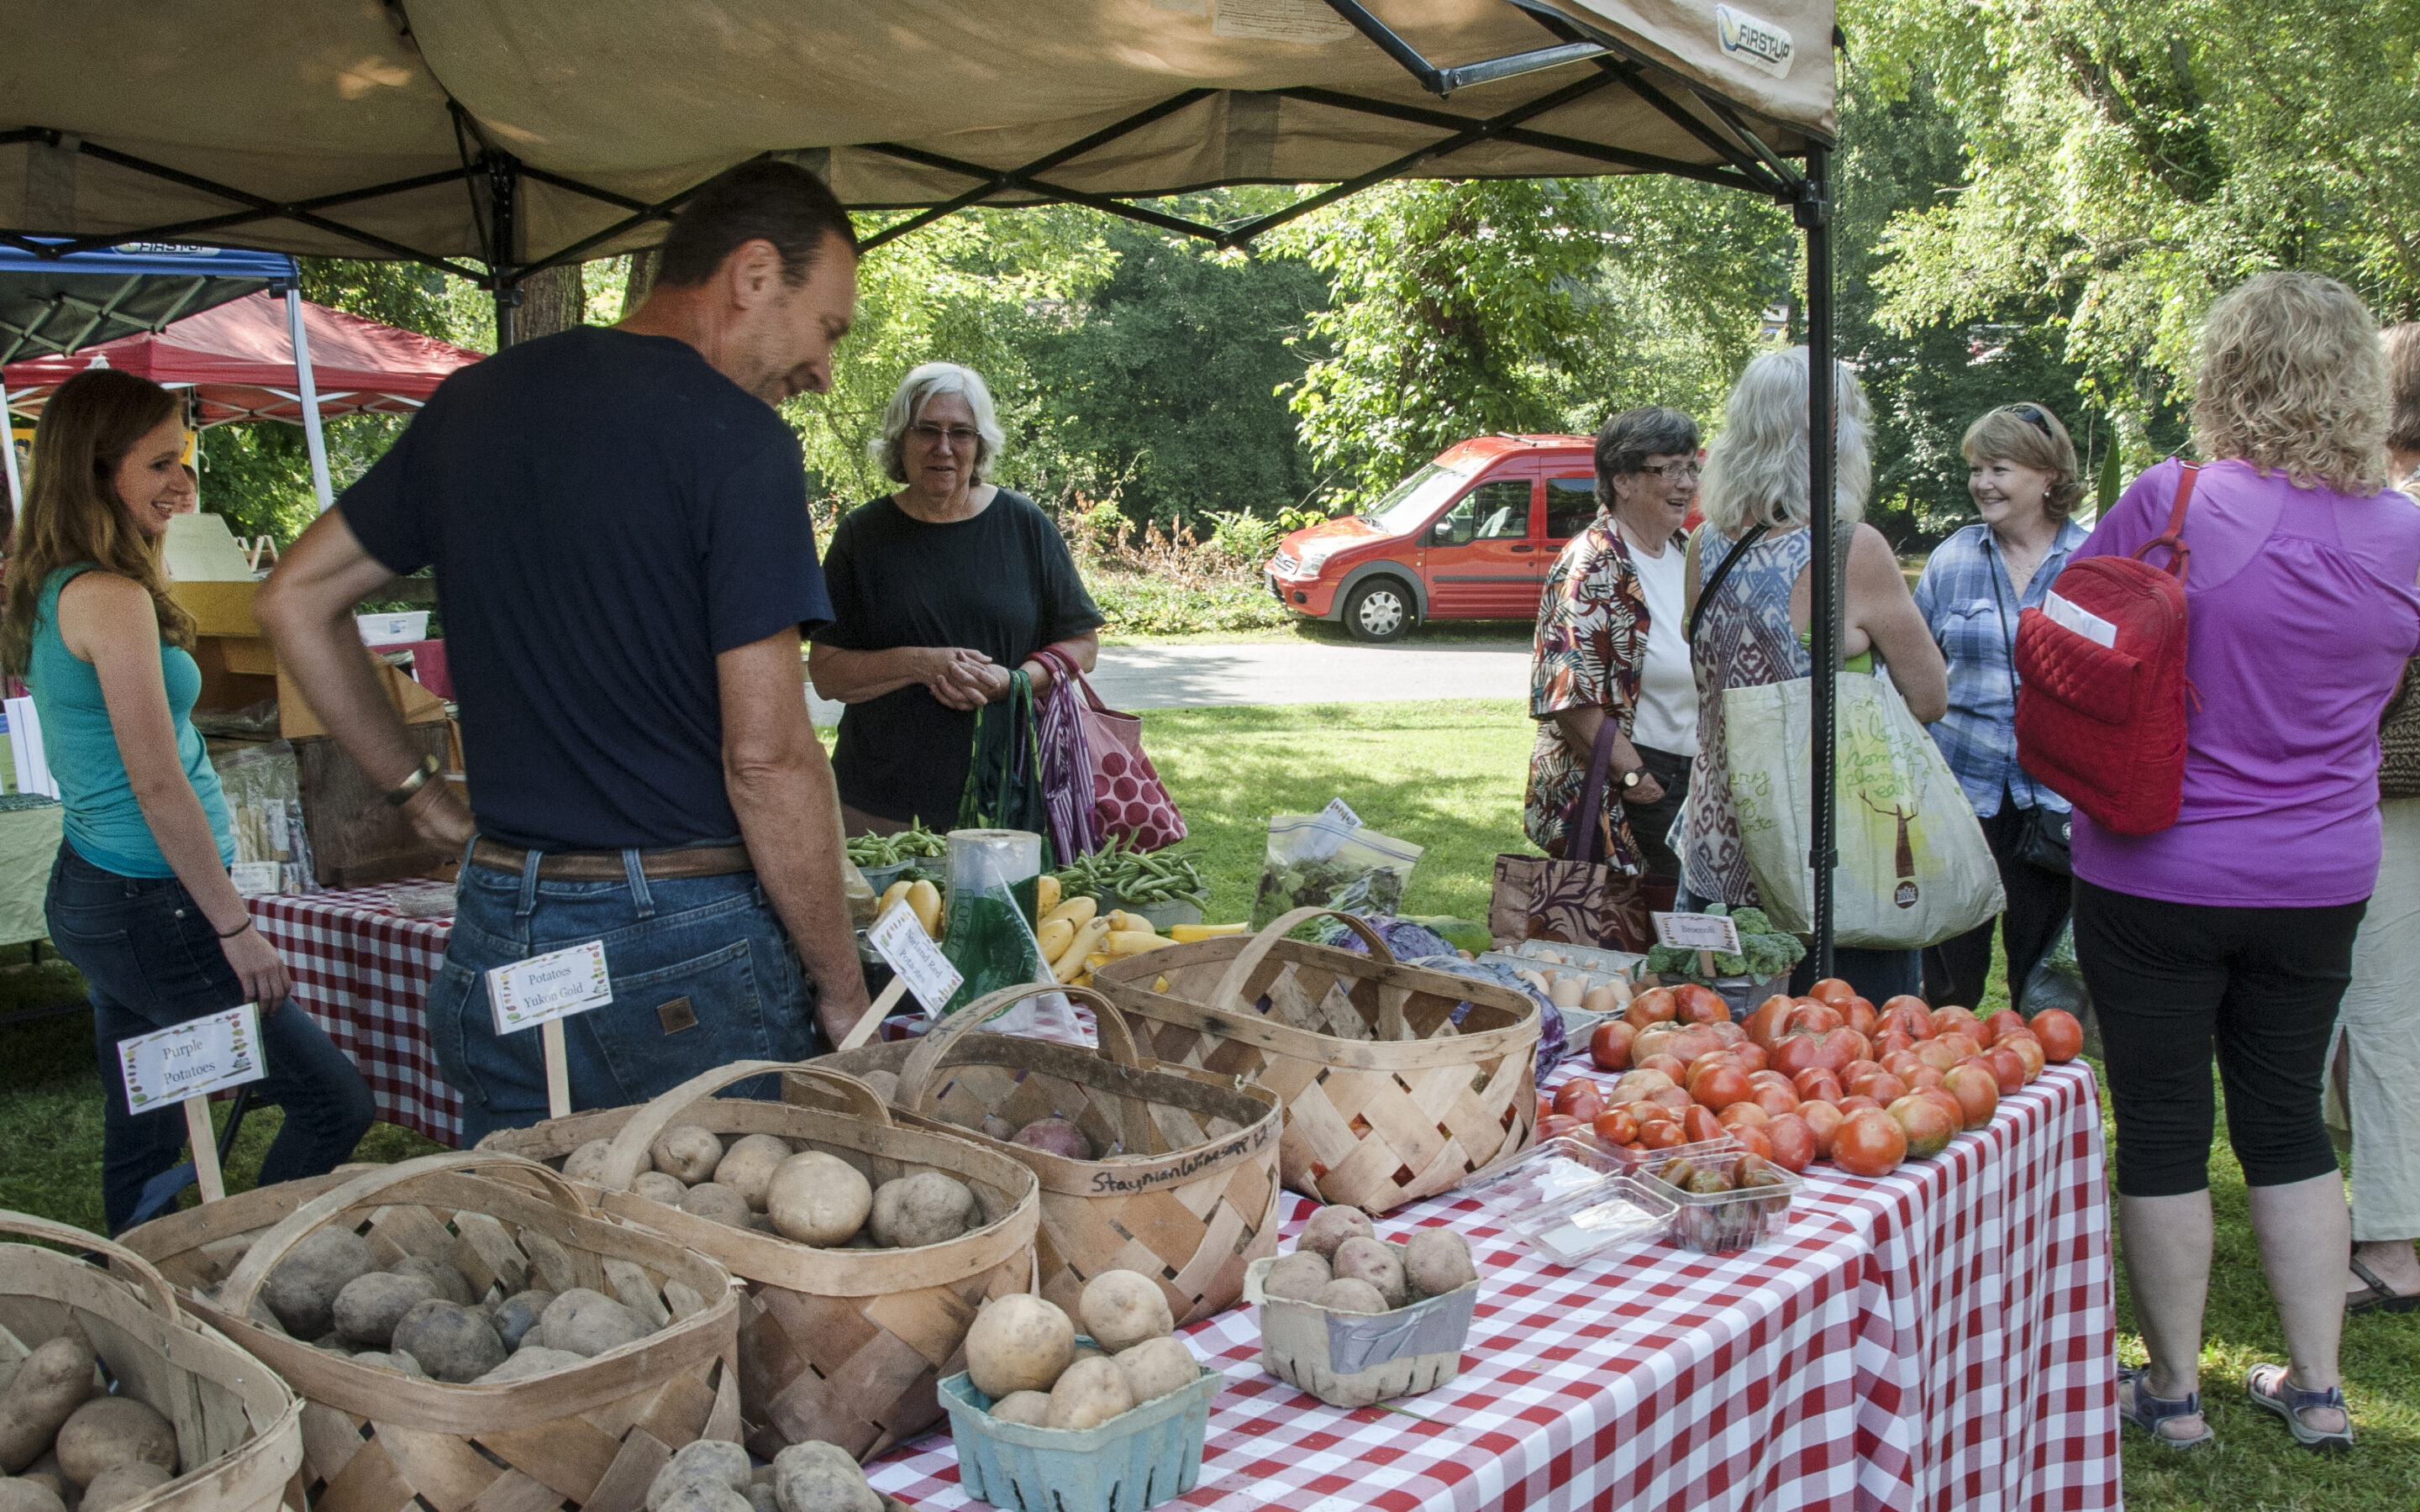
x: 1491, y: 512
x: 1571, y: 503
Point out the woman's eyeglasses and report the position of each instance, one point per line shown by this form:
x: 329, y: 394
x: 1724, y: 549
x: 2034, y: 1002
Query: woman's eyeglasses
x: 959, y: 436
x: 1672, y: 471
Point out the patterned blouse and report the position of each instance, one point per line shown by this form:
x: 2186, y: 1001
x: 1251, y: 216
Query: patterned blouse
x: 1744, y: 639
x: 1592, y: 646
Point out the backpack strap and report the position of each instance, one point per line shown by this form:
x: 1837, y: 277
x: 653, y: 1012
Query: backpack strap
x: 2179, y: 554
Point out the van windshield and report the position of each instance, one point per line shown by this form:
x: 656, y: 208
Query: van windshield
x: 1408, y: 505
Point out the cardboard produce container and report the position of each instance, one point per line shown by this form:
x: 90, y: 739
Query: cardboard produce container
x: 1355, y: 1359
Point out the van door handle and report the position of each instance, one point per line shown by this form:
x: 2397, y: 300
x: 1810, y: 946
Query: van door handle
x: 1525, y: 548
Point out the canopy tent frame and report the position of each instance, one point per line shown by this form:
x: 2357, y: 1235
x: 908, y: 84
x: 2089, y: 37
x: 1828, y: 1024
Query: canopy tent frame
x: 492, y: 178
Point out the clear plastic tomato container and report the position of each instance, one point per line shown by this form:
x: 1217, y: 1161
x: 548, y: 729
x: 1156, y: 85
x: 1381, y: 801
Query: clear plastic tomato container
x: 1572, y: 1196
x: 1725, y: 1222
x: 1637, y: 1162
x: 1550, y: 1169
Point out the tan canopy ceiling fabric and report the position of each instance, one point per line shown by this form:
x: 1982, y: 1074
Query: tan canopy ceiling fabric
x: 512, y: 132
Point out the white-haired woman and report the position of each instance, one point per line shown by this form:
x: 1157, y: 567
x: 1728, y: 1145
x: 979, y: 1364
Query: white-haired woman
x: 1752, y: 628
x: 938, y: 591
x: 2229, y: 935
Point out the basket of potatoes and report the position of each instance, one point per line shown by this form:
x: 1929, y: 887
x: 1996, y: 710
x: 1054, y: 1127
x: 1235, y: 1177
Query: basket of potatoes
x: 465, y: 1329
x: 111, y: 1395
x: 1112, y: 1419
x: 864, y: 1246
x: 1158, y: 1169
x: 1354, y: 1319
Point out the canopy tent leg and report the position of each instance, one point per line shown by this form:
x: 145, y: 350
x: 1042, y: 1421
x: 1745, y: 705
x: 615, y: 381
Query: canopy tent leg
x: 1813, y: 212
x: 309, y: 386
x: 8, y: 447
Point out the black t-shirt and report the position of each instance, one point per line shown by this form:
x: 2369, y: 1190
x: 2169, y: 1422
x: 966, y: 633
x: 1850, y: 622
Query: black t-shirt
x: 606, y: 513
x: 1000, y: 583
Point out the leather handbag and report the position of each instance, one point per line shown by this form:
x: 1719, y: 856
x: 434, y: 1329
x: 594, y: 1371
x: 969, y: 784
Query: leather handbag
x: 2044, y: 841
x: 1129, y: 801
x: 1579, y: 900
x: 2398, y: 739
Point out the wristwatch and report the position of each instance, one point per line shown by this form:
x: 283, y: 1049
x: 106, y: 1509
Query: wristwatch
x: 1630, y: 779
x: 399, y: 794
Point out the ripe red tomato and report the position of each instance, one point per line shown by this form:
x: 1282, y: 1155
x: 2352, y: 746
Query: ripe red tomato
x: 1814, y: 1018
x: 1832, y: 990
x: 1639, y: 1083
x: 1774, y: 1099
x: 1699, y: 1123
x: 1822, y: 1121
x: 1856, y: 1069
x: 1674, y: 1100
x: 1922, y: 1077
x: 1955, y: 1020
x: 1961, y: 1042
x: 1764, y: 1025
x: 2007, y: 1067
x: 1793, y: 1142
x: 1820, y: 1087
x: 1556, y: 1125
x: 1609, y: 1046
x: 1615, y: 1126
x: 1750, y: 1055
x: 1900, y: 1063
x: 1854, y: 1103
x: 1691, y: 1040
x: 1884, y: 1087
x: 1656, y: 1005
x: 1647, y: 1113
x: 1661, y: 1135
x: 1771, y: 1078
x: 1908, y: 1015
x: 1672, y: 1066
x: 1861, y: 1015
x: 2062, y: 1036
x: 1743, y: 1116
x: 1752, y: 1138
x: 1579, y: 1098
x: 1927, y: 1127
x: 2030, y: 1050
x: 1893, y: 1040
x: 2000, y: 1024
x: 1731, y: 1035
x: 1705, y: 1063
x: 1701, y: 1005
x: 1869, y: 1143
x: 1719, y: 1087
x: 1978, y: 1092
x: 1948, y: 1102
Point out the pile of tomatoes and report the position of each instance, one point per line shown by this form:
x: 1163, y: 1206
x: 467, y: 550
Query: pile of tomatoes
x: 1827, y: 1077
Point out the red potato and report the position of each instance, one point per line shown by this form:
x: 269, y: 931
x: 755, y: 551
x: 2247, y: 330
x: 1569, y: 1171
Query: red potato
x: 1656, y: 1005
x: 1791, y: 1141
x: 1821, y: 1119
x: 1609, y: 1046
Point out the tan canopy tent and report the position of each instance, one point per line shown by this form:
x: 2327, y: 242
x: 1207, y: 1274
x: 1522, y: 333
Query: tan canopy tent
x: 497, y: 137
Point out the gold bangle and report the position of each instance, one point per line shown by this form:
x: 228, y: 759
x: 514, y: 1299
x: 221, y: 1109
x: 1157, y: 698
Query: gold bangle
x: 399, y: 794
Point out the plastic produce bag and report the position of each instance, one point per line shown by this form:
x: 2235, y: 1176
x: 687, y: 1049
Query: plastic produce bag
x: 1327, y: 860
x: 2058, y: 981
x: 1915, y: 869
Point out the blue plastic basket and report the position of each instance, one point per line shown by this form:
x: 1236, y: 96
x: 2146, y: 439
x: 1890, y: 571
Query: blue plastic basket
x: 1137, y: 1460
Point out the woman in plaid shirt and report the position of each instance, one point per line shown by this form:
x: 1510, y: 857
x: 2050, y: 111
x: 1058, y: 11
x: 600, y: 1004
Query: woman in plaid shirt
x: 2022, y: 472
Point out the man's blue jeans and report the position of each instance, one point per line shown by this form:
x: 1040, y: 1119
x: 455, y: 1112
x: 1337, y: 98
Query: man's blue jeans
x: 702, y: 971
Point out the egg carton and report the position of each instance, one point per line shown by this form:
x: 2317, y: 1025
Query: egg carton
x: 1594, y: 976
x: 1624, y: 963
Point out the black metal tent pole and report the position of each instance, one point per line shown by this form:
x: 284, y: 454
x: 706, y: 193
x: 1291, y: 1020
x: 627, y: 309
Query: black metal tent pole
x: 1813, y: 213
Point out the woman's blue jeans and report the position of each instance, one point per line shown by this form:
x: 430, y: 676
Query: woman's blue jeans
x: 701, y: 972
x: 152, y: 961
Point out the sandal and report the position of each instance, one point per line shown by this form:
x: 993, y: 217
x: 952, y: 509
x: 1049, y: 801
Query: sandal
x: 2148, y: 1411
x: 2268, y: 1386
x: 2381, y: 1298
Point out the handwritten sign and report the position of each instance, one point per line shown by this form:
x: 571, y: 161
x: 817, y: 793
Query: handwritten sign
x: 1698, y: 931
x: 192, y: 1060
x: 257, y: 879
x: 1342, y: 812
x: 548, y: 987
x: 912, y: 956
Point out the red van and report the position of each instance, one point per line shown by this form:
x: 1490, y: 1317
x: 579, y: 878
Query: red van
x: 1469, y: 536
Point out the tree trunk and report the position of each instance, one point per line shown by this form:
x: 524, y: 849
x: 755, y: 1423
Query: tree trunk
x: 642, y: 278
x: 552, y: 299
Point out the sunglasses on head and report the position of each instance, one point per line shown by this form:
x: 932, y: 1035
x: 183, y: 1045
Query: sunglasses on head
x: 2032, y: 415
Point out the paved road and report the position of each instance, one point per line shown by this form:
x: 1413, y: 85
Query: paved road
x: 1177, y: 676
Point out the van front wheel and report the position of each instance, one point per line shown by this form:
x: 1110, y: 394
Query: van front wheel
x: 1379, y: 610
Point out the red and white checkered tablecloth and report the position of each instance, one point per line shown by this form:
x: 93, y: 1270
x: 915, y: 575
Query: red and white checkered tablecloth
x: 1942, y: 1337
x: 364, y: 971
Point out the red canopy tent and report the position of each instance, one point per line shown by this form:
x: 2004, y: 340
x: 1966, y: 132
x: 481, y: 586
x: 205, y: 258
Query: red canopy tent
x: 240, y: 358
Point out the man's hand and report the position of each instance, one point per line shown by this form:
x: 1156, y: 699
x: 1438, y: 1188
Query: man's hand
x: 439, y: 817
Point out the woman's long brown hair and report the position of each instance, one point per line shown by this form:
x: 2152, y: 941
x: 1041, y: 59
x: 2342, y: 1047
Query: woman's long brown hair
x: 72, y: 512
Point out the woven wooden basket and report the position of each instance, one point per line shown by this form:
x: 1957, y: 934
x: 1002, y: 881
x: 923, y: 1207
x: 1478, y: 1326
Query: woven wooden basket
x: 239, y: 1429
x: 591, y: 1437
x: 842, y: 1345
x: 1188, y: 1194
x: 1374, y: 1123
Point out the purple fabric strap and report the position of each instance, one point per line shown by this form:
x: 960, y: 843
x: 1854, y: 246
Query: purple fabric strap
x: 1067, y: 761
x: 1589, y: 818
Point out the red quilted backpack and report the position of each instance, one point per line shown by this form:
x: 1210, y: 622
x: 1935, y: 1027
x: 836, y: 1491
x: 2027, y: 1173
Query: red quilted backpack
x: 2101, y: 712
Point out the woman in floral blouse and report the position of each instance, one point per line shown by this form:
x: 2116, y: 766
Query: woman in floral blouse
x: 1610, y: 645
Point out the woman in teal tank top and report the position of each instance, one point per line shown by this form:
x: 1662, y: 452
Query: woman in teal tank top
x: 140, y: 901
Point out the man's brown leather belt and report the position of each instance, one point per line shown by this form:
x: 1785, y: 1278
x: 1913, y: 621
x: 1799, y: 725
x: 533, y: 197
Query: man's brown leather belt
x: 606, y: 866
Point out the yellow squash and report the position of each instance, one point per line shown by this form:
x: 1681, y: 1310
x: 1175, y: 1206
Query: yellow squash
x: 1046, y: 895
x: 1193, y: 934
x: 1076, y: 911
x: 1054, y: 937
x: 925, y: 900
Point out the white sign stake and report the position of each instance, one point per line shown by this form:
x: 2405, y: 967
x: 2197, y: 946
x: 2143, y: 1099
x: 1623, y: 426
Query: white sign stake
x: 186, y: 1063
x: 1698, y: 931
x: 544, y: 991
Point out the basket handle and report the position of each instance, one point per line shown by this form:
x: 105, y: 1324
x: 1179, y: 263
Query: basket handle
x: 628, y: 1152
x: 1229, y: 994
x: 917, y: 1078
x: 164, y: 1296
x: 245, y: 1284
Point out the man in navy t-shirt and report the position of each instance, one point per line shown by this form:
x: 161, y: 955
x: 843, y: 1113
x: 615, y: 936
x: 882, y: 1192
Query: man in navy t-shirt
x: 617, y: 519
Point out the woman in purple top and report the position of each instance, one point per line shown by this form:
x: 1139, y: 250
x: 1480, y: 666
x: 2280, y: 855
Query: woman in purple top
x: 2232, y: 931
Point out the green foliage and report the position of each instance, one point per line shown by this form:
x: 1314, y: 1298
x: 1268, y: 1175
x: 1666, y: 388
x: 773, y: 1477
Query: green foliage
x: 1462, y: 308
x: 2126, y: 165
x: 1245, y: 539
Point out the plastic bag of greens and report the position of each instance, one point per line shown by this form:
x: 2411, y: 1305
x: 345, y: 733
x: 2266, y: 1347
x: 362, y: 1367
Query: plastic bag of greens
x: 2058, y: 981
x: 1329, y: 860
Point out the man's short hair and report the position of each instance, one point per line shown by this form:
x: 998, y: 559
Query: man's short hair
x: 763, y: 200
x: 1630, y: 437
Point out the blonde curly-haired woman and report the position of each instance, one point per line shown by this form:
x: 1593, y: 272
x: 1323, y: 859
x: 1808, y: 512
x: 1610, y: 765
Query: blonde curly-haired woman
x: 2230, y: 933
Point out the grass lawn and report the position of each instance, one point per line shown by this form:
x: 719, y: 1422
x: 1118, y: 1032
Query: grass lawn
x: 1448, y: 776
